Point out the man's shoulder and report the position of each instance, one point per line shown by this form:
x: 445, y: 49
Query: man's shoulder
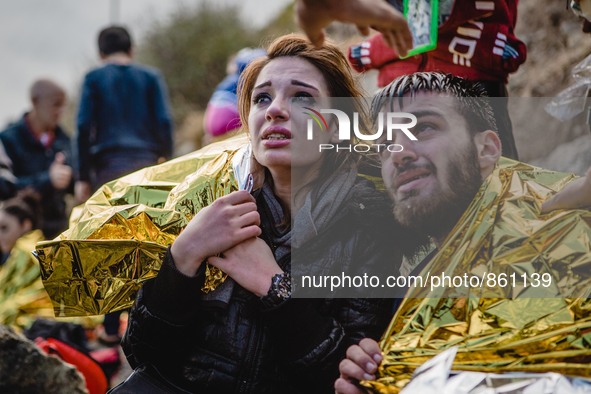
x: 108, y: 68
x: 61, y: 134
x: 13, y: 130
x: 94, y: 71
x: 148, y: 71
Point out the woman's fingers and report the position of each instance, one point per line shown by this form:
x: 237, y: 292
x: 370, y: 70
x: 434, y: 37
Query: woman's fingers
x: 235, y: 198
x: 244, y: 208
x: 249, y: 219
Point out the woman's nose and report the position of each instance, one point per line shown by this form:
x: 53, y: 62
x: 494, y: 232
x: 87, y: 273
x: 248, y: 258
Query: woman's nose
x: 278, y: 109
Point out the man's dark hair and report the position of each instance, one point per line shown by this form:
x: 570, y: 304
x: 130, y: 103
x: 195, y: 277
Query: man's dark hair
x: 473, y: 102
x: 114, y: 39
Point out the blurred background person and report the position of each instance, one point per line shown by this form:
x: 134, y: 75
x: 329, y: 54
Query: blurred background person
x: 475, y: 41
x: 124, y: 124
x: 221, y: 114
x: 19, y: 216
x: 39, y: 149
x: 19, y: 271
x: 314, y: 15
x: 25, y: 305
x: 7, y: 178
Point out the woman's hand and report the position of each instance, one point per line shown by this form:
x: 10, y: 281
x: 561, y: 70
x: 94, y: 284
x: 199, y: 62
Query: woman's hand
x: 361, y: 364
x: 230, y: 220
x: 251, y: 264
x: 576, y: 194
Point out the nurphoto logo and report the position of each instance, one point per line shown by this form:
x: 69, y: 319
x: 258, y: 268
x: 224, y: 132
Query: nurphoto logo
x: 386, y: 123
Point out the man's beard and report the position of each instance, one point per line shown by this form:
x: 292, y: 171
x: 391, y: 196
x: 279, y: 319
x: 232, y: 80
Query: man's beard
x: 436, y: 214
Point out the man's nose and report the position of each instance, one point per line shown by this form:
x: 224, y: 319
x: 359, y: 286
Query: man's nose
x: 408, y: 152
x: 59, y: 111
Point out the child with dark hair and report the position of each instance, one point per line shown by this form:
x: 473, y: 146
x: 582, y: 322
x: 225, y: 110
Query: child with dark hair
x: 476, y: 41
x: 18, y: 216
x: 21, y: 291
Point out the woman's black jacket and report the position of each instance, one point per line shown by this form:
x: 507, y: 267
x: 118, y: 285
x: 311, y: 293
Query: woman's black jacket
x: 243, y: 348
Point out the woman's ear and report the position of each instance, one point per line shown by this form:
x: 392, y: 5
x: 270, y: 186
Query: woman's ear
x: 488, y: 150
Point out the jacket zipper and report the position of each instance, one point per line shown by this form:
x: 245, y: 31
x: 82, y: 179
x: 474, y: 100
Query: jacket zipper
x: 252, y: 355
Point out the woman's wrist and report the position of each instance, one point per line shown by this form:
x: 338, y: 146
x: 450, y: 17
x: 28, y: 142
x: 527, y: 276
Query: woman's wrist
x: 186, y: 265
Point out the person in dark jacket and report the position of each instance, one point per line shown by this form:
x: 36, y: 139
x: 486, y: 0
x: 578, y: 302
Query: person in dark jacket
x: 312, y: 211
x: 7, y: 178
x: 124, y: 124
x: 39, y: 151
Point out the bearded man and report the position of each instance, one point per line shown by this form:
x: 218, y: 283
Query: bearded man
x: 520, y: 303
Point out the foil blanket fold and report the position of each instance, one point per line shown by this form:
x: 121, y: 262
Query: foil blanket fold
x: 502, y: 326
x: 118, y: 239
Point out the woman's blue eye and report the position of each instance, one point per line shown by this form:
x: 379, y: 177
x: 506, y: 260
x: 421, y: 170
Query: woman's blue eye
x: 260, y: 98
x: 305, y: 98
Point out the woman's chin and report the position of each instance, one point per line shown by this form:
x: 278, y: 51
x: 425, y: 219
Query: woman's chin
x: 276, y: 161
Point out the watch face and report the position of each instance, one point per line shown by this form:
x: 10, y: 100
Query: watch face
x: 283, y: 285
x: 279, y: 291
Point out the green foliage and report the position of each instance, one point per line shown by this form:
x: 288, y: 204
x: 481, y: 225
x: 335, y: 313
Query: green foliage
x: 192, y: 48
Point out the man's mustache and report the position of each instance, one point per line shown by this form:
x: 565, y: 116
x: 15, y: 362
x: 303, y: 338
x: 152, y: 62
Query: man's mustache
x: 413, y: 166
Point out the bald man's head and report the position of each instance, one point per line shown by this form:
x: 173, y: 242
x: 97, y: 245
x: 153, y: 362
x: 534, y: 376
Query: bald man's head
x: 45, y: 88
x: 48, y: 99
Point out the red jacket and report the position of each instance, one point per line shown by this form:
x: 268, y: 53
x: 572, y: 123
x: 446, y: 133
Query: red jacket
x: 477, y: 42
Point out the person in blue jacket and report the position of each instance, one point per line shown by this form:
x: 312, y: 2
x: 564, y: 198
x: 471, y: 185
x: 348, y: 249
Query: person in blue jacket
x: 124, y: 124
x: 221, y: 115
x: 124, y: 121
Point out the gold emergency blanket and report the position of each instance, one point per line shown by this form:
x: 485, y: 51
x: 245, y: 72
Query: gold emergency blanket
x: 22, y: 296
x: 118, y: 239
x: 503, y: 325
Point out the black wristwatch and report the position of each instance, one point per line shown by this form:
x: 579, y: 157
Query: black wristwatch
x: 279, y: 292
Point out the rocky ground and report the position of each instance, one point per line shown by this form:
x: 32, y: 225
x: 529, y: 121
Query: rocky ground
x: 555, y: 44
x: 24, y: 368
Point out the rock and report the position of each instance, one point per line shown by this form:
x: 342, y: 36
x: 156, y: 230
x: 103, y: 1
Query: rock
x: 573, y: 156
x: 24, y: 368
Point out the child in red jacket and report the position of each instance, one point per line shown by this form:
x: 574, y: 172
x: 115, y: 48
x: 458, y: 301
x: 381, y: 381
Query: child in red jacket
x: 475, y: 41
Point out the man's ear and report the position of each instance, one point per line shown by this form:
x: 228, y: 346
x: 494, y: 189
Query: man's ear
x: 488, y: 150
x: 333, y: 129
